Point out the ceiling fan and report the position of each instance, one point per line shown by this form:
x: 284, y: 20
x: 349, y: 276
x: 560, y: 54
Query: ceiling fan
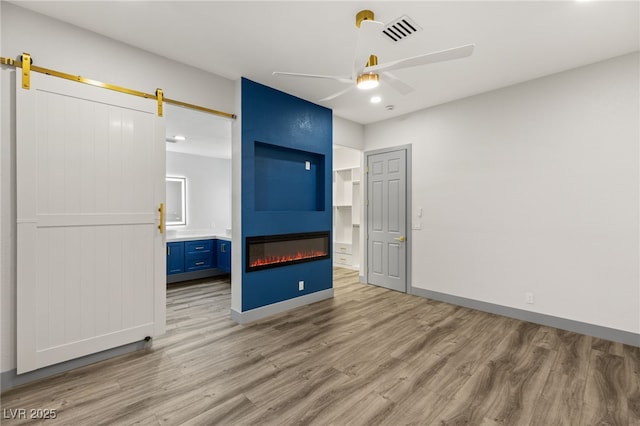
x: 367, y: 72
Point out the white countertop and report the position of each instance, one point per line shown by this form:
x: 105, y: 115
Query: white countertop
x: 174, y: 236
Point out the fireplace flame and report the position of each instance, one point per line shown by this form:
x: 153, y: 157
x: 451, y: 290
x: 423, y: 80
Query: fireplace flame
x: 270, y: 260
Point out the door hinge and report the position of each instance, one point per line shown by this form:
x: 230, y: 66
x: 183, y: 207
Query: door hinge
x: 367, y: 169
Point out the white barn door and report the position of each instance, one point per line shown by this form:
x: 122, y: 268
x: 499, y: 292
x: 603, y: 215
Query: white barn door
x: 90, y: 258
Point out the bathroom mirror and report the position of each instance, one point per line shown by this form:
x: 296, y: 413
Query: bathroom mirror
x: 176, y: 208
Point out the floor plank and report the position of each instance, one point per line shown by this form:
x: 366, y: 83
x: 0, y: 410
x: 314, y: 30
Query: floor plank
x: 368, y: 356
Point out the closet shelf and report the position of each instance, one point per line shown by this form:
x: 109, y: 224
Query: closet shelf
x: 346, y: 217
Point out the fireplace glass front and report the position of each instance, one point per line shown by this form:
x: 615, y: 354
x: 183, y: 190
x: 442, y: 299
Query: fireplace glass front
x: 271, y: 251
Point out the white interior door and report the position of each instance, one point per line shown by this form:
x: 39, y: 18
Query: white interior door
x: 386, y: 220
x: 90, y: 258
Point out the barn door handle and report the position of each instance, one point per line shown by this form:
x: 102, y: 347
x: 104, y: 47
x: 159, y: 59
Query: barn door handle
x: 161, y: 225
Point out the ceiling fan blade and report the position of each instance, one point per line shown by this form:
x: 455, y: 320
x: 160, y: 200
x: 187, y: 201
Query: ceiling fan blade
x: 335, y: 95
x: 368, y: 33
x: 398, y: 85
x: 341, y: 79
x: 428, y: 58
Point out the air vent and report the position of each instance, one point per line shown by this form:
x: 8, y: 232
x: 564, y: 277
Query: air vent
x: 400, y: 29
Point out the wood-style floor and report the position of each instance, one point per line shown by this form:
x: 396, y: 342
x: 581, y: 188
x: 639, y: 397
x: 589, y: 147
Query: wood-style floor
x: 368, y: 356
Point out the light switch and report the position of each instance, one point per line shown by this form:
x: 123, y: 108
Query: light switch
x: 307, y: 165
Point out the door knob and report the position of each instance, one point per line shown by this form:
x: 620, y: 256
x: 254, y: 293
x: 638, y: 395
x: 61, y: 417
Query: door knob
x: 401, y: 239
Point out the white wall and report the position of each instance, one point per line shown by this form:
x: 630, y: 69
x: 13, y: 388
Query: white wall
x: 6, y: 244
x: 346, y: 158
x: 531, y: 188
x: 208, y: 191
x: 60, y: 46
x: 236, y: 202
x: 348, y: 133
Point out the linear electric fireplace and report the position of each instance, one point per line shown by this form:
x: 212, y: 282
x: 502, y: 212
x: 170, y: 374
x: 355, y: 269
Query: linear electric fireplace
x: 272, y: 251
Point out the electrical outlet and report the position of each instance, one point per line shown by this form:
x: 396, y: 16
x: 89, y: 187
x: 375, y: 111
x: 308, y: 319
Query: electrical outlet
x: 300, y: 285
x: 529, y: 298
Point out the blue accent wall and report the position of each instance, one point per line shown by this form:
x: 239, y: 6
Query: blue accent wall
x: 280, y: 133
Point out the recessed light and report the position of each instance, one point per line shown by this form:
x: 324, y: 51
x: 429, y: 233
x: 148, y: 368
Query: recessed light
x: 376, y: 99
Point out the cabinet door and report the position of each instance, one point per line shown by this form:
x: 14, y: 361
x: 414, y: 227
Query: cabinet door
x: 175, y: 258
x: 224, y: 255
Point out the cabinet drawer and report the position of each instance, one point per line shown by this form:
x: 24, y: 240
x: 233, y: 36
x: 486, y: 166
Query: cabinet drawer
x: 201, y: 246
x: 195, y: 263
x: 342, y: 259
x: 342, y: 248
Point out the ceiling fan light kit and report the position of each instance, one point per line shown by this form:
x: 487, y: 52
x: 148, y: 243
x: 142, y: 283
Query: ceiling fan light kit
x: 368, y: 81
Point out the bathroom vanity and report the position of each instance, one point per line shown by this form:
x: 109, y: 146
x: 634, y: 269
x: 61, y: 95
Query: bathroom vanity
x: 195, y: 256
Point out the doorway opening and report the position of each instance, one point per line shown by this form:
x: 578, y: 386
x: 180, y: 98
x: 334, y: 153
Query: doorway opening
x: 198, y: 155
x: 347, y: 208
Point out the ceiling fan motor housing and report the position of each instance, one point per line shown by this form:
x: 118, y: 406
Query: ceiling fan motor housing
x: 363, y: 15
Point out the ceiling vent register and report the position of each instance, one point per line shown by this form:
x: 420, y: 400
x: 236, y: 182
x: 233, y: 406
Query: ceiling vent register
x: 400, y: 28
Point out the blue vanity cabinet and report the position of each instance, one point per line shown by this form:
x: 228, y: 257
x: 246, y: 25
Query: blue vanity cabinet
x: 224, y: 256
x: 175, y: 258
x: 199, y: 255
x: 190, y: 260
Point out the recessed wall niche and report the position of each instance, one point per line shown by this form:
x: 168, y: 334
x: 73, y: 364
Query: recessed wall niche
x: 288, y: 179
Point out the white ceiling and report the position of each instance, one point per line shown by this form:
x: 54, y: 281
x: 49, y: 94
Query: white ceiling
x: 206, y: 134
x: 515, y: 41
